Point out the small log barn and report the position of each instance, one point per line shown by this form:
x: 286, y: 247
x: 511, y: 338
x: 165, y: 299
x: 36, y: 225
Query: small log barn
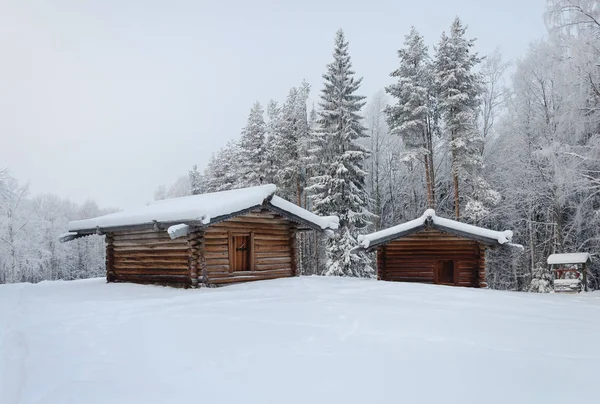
x: 435, y: 250
x: 210, y: 239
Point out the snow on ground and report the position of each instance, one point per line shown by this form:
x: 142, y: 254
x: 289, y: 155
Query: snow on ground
x: 299, y: 340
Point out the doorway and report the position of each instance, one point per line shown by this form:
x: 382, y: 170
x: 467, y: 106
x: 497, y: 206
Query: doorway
x: 445, y: 272
x: 241, y: 246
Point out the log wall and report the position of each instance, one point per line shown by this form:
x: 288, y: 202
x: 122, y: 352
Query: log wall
x: 274, y: 253
x: 203, y: 256
x: 415, y: 258
x: 149, y: 256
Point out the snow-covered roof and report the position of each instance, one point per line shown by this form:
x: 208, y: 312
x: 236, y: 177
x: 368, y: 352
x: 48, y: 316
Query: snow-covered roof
x: 430, y: 219
x: 570, y: 258
x: 202, y: 210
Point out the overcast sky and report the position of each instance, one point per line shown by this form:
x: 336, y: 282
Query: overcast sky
x: 105, y: 100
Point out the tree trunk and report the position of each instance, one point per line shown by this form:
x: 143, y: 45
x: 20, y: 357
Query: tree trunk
x: 430, y: 201
x: 298, y: 191
x: 456, y: 200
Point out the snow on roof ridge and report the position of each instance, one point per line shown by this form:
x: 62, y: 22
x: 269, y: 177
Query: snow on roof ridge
x: 569, y: 258
x: 271, y: 188
x: 324, y: 222
x: 502, y: 237
x: 202, y: 208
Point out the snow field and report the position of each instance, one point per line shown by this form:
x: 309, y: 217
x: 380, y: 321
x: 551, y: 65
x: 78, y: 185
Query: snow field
x: 298, y: 340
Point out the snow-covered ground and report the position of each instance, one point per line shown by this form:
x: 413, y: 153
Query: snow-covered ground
x: 301, y: 340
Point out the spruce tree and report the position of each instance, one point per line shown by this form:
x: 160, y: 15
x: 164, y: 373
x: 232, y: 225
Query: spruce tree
x: 458, y: 88
x: 196, y: 181
x: 253, y: 162
x: 273, y: 127
x: 339, y: 186
x: 289, y: 144
x: 411, y: 116
x: 222, y: 171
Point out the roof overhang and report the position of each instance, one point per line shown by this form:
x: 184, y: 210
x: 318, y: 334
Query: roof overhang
x: 429, y: 220
x: 199, y: 224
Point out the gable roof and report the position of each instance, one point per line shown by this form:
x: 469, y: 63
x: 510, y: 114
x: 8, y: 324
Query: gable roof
x: 200, y: 210
x: 569, y: 258
x: 430, y: 220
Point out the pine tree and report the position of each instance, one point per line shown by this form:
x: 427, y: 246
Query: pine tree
x: 253, y: 162
x: 289, y: 144
x: 411, y: 116
x: 458, y: 88
x: 339, y: 186
x: 273, y: 128
x: 222, y: 171
x: 196, y: 181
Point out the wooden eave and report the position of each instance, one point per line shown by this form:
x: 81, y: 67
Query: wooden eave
x: 432, y: 225
x: 197, y: 223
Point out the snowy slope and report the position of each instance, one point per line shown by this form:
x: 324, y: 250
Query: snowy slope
x: 299, y: 340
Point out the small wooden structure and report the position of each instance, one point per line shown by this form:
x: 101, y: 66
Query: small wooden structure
x: 435, y: 250
x: 211, y: 239
x: 569, y: 271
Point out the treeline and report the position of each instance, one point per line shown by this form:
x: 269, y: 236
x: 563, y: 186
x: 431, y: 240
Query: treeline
x: 29, y: 230
x: 450, y: 131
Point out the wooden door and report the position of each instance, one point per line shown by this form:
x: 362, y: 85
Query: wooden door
x: 445, y: 274
x: 241, y: 253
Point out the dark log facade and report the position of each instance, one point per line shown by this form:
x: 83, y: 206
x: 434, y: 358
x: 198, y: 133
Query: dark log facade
x: 257, y: 245
x: 432, y: 256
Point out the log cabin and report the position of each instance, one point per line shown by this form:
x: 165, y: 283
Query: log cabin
x: 432, y: 249
x: 210, y: 239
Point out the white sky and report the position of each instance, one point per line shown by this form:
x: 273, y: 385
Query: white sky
x: 105, y: 100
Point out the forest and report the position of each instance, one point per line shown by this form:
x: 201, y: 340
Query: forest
x: 495, y: 143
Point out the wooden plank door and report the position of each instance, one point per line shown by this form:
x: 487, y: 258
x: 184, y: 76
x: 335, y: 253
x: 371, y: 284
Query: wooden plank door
x: 241, y: 253
x: 446, y: 272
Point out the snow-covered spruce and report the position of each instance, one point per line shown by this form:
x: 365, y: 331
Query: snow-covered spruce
x: 338, y: 182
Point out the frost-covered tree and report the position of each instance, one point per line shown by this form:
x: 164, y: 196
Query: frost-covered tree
x: 458, y: 88
x: 222, y: 171
x: 272, y: 132
x: 411, y: 115
x: 289, y: 144
x: 29, y: 247
x: 339, y: 188
x: 195, y: 182
x: 252, y: 152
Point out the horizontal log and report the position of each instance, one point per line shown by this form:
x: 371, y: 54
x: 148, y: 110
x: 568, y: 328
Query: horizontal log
x: 177, y: 242
x: 150, y: 265
x: 249, y: 277
x: 269, y: 236
x: 216, y: 248
x: 217, y: 268
x: 273, y: 248
x: 149, y: 230
x: 216, y: 261
x: 209, y: 242
x: 272, y: 254
x: 151, y: 272
x: 266, y: 267
x: 182, y: 254
x: 144, y: 236
x: 173, y: 279
x: 277, y: 242
x: 247, y: 227
x: 266, y: 222
x: 272, y: 260
x: 161, y: 247
x: 409, y: 279
x: 216, y: 255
